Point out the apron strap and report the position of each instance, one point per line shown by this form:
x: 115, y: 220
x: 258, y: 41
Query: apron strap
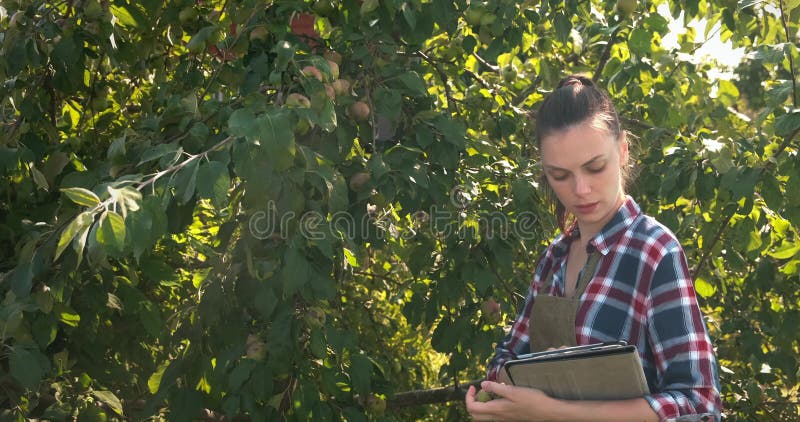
x: 586, y: 275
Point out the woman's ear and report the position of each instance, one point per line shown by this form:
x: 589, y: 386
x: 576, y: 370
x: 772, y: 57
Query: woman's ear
x: 623, y: 148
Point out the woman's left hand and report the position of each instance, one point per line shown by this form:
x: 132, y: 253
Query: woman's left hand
x: 511, y: 404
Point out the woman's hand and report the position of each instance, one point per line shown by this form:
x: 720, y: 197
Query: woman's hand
x: 512, y: 403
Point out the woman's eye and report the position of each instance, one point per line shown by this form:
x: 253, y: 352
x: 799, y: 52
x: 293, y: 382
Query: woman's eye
x: 597, y: 169
x: 558, y: 177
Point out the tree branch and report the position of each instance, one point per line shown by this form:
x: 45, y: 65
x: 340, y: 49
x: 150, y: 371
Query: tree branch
x: 789, y: 55
x: 430, y: 396
x: 606, y: 54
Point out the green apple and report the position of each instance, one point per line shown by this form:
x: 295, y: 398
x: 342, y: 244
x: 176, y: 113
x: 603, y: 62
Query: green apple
x: 330, y: 91
x: 359, y: 180
x: 341, y: 86
x: 257, y: 350
x: 473, y: 15
x: 16, y: 20
x: 488, y: 19
x: 298, y: 100
x: 323, y: 7
x: 315, y: 316
x: 483, y: 396
x: 302, y: 126
x: 626, y: 7
x: 259, y: 33
x: 92, y: 414
x: 187, y: 15
x: 491, y: 311
x: 376, y: 404
x: 332, y: 56
x: 359, y: 111
x: 509, y: 73
x: 334, y: 69
x: 368, y: 6
x: 99, y: 103
x: 92, y: 10
x: 312, y: 72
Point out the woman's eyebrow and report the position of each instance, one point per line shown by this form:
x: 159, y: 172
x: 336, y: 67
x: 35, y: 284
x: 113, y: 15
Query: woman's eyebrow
x: 592, y: 160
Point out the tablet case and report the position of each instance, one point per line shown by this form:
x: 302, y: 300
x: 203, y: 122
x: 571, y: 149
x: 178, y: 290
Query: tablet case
x: 594, y: 372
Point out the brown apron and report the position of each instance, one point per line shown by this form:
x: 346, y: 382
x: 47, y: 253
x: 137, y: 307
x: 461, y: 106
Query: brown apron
x: 552, y: 318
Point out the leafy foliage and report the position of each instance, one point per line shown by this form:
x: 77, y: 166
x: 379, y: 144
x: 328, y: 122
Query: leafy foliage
x: 201, y: 218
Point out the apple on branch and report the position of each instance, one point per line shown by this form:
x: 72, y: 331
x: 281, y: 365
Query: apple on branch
x: 298, y: 100
x: 490, y: 310
x: 312, y: 72
x: 359, y: 111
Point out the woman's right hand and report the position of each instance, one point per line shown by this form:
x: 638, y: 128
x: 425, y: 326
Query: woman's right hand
x: 511, y: 403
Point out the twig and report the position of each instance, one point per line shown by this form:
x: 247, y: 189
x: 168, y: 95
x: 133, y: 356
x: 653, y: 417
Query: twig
x: 606, y: 54
x: 789, y: 55
x: 451, y: 104
x: 713, y: 243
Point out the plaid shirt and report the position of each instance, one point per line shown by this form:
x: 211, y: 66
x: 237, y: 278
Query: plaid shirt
x: 641, y: 293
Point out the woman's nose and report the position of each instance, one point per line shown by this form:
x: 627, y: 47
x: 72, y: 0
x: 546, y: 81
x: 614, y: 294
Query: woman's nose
x: 582, y: 185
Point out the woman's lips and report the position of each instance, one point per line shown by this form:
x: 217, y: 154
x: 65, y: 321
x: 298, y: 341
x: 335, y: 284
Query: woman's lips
x: 586, y: 208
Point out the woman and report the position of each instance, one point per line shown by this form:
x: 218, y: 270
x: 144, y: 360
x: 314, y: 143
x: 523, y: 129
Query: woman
x: 612, y: 274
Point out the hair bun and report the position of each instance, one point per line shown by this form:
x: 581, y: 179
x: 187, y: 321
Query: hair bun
x: 575, y: 80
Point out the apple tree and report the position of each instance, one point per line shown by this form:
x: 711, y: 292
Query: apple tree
x: 255, y: 210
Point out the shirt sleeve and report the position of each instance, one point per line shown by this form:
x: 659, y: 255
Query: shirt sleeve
x: 687, y: 380
x: 516, y: 342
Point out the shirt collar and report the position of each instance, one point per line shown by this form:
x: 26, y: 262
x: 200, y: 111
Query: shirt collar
x: 608, y: 236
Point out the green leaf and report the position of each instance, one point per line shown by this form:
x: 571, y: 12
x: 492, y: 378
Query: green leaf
x: 66, y: 314
x: 124, y: 17
x: 265, y: 301
x: 350, y: 257
x: 727, y: 93
x: 275, y: 135
x: 150, y: 316
x: 79, y: 224
x: 453, y: 131
x: 82, y: 196
x: 110, y: 400
x: 111, y: 233
x: 213, y: 182
x: 241, y: 123
x: 28, y: 366
x: 240, y: 374
x: 140, y: 231
x: 704, y: 288
x: 409, y: 15
x: 199, y: 40
x: 295, y: 271
x: 170, y: 151
x: 39, y: 179
x: 185, y: 181
x: 360, y: 374
x: 787, y: 123
x: 154, y: 382
x: 285, y: 53
x: 563, y: 26
x: 413, y: 82
x: 639, y: 42
x: 786, y: 250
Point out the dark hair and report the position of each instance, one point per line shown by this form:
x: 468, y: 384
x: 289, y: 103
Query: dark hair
x: 575, y: 100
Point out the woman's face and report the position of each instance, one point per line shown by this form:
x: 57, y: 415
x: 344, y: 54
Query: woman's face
x: 583, y: 165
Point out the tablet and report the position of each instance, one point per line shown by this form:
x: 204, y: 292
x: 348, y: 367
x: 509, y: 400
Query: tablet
x: 603, y: 371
